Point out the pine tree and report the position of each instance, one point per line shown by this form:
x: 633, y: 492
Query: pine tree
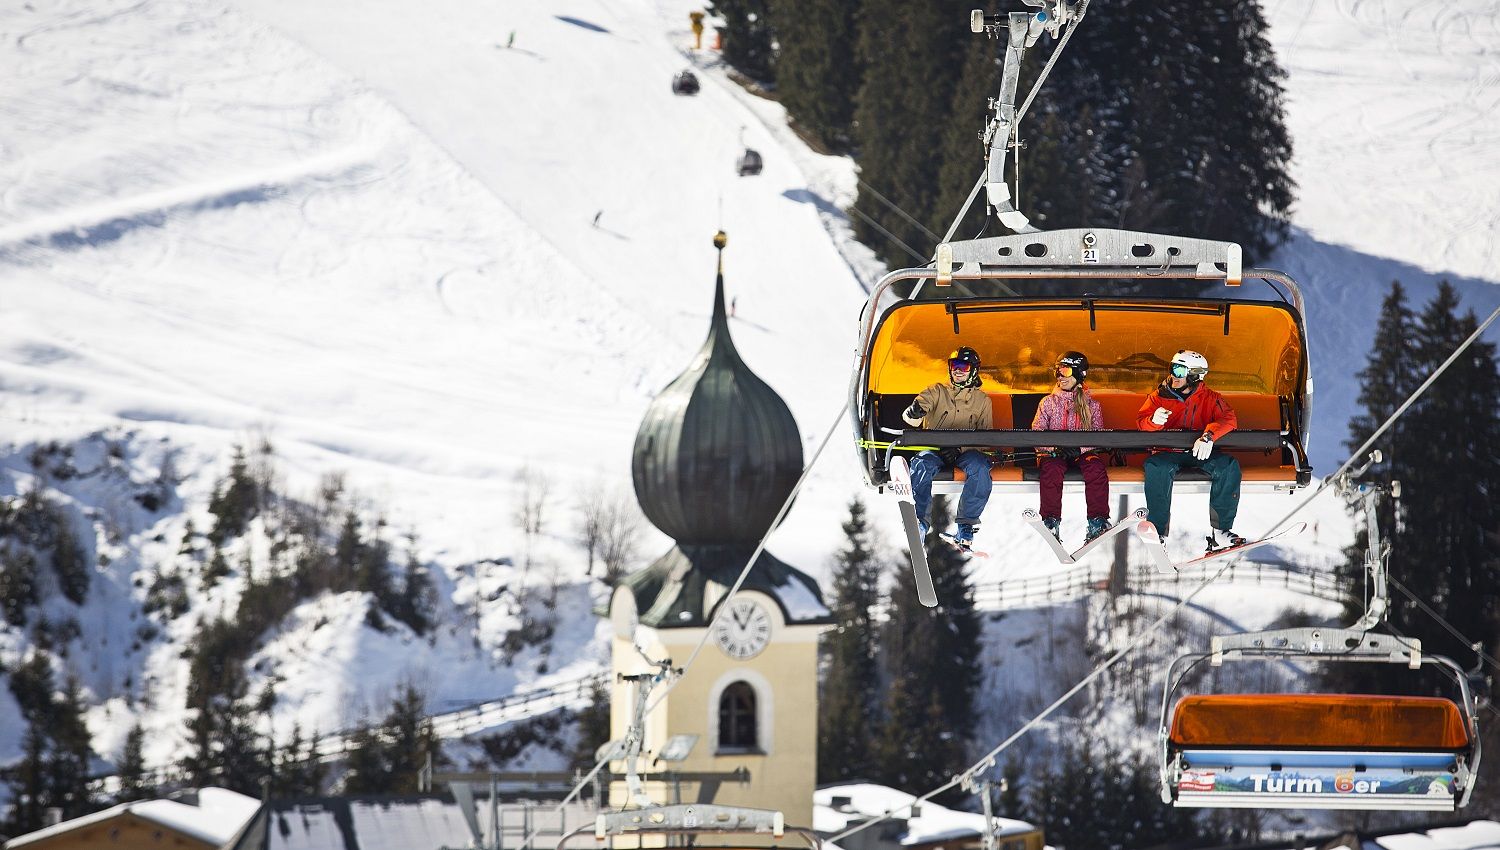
x: 69, y: 561
x: 1441, y: 451
x: 1185, y: 103
x: 900, y: 118
x: 68, y: 764
x: 817, y: 72
x: 387, y: 759
x: 748, y: 37
x: 1092, y: 795
x: 848, y: 704
x: 1450, y: 477
x: 366, y: 763
x: 235, y: 501
x: 412, y: 740
x: 18, y: 588
x: 131, y: 769
x: 930, y: 656
x: 225, y: 748
x: 593, y: 727
x: 27, y: 782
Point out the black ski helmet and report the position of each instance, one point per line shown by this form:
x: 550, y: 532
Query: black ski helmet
x: 1079, y: 361
x: 969, y: 356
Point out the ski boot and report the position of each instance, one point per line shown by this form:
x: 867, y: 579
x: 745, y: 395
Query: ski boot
x: 1097, y: 526
x: 964, y: 539
x: 1054, y: 525
x: 1219, y: 540
x: 923, y: 528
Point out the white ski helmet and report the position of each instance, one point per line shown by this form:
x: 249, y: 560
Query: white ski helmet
x: 1195, y: 364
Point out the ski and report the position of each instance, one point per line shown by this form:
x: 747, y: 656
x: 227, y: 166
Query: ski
x: 966, y: 548
x: 926, y: 593
x: 900, y: 486
x: 1035, y: 519
x: 1147, y: 533
x: 1066, y: 557
x: 900, y: 483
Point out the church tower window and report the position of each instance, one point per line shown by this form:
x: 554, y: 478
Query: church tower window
x: 737, y: 719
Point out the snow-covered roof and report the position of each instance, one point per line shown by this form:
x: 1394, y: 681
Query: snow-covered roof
x: 367, y: 824
x: 933, y: 823
x: 218, y: 817
x: 1476, y: 835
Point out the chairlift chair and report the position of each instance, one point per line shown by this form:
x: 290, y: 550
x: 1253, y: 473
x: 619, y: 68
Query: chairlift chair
x: 1116, y: 295
x: 1324, y: 751
x: 685, y: 83
x: 1320, y: 751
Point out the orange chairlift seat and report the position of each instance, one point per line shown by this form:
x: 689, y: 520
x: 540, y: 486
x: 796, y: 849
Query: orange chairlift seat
x: 1022, y: 300
x: 1320, y: 751
x: 1318, y: 721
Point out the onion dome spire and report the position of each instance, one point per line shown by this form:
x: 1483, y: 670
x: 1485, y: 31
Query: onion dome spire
x: 718, y: 450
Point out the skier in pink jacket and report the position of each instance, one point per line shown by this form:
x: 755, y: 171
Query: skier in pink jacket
x: 1071, y: 407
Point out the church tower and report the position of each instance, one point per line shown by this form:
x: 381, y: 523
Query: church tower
x: 715, y: 457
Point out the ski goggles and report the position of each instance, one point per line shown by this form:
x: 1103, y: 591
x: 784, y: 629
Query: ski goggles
x: 1180, y: 371
x: 1066, y: 372
x: 960, y: 365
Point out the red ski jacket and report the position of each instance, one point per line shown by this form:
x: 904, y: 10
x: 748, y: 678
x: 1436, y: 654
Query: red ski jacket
x: 1204, y: 410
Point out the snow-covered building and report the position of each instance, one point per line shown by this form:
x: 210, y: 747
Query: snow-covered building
x: 208, y: 819
x: 926, y: 826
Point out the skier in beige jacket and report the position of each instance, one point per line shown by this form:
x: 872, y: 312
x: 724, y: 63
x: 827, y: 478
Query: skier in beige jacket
x: 957, y: 405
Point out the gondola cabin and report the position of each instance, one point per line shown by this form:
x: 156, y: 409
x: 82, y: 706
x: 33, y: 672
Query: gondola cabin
x: 750, y: 163
x: 1127, y: 300
x: 685, y: 83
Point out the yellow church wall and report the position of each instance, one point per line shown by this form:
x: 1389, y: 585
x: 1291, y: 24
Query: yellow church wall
x: 785, y: 678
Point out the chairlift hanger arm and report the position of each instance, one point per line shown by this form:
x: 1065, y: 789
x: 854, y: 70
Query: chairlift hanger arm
x: 1021, y: 29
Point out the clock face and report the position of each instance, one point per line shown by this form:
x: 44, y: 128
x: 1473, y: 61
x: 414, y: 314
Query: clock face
x: 744, y: 630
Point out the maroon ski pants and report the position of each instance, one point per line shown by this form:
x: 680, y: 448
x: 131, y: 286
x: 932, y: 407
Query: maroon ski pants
x: 1095, y: 484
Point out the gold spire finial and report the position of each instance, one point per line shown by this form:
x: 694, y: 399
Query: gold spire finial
x: 721, y: 239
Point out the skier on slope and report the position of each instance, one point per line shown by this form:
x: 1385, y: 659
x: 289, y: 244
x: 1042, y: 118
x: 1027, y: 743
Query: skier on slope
x: 957, y: 405
x: 1183, y: 402
x: 1071, y: 407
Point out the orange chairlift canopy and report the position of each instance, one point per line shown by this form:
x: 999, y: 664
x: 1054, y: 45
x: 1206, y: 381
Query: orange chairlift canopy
x: 1251, y: 347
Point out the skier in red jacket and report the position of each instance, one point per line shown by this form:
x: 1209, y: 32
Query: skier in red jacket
x: 1184, y: 403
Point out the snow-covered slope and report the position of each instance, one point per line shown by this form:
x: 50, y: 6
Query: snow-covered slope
x: 402, y: 250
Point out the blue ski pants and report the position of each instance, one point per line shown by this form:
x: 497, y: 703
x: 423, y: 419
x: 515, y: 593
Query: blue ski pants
x: 977, y: 483
x: 1223, y: 491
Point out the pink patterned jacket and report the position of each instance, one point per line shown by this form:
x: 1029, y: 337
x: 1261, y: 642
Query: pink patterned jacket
x: 1056, y: 413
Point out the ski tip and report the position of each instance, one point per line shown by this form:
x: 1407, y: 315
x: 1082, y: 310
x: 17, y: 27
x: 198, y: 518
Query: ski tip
x: 927, y: 598
x: 1147, y: 532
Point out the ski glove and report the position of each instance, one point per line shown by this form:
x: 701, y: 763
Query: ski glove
x: 914, y: 414
x: 1204, y: 446
x: 1161, y: 416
